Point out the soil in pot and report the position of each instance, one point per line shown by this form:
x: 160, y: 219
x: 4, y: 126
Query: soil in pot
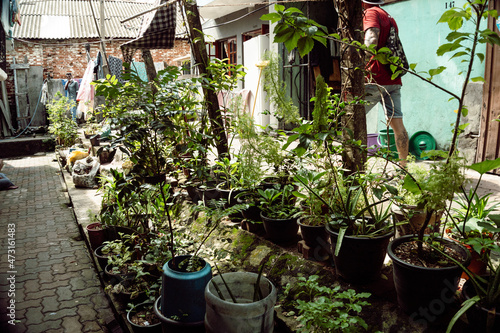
x: 425, y: 289
x: 142, y: 318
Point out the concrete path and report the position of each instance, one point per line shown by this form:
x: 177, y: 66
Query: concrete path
x: 48, y: 282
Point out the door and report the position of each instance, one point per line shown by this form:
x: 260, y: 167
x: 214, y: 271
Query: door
x: 489, y: 140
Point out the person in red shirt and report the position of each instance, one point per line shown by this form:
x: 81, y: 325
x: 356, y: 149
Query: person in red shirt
x: 379, y: 84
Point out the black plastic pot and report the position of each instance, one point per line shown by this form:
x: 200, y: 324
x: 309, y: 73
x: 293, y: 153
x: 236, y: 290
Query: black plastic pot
x: 153, y: 328
x: 280, y: 230
x: 313, y: 235
x: 101, y: 258
x: 113, y: 232
x: 421, y: 291
x: 231, y: 200
x: 118, y: 277
x: 208, y: 193
x: 126, y: 297
x: 360, y: 259
x: 316, y: 237
x: 253, y: 211
x: 477, y: 315
x: 255, y: 227
x: 173, y: 326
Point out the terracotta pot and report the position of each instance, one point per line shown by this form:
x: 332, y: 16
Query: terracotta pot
x: 476, y: 265
x: 96, y: 233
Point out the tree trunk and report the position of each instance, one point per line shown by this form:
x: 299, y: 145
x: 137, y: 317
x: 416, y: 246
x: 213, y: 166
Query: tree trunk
x: 199, y: 50
x: 353, y: 84
x: 150, y: 68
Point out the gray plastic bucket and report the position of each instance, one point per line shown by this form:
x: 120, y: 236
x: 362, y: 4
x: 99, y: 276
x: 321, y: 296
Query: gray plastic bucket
x: 246, y: 316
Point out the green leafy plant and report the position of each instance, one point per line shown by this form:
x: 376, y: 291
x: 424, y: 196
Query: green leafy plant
x: 120, y: 253
x: 278, y: 202
x: 275, y: 89
x: 323, y: 309
x: 313, y: 212
x: 60, y: 124
x: 474, y: 217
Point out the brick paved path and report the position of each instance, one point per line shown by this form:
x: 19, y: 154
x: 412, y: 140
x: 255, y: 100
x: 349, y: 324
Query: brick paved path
x: 56, y: 286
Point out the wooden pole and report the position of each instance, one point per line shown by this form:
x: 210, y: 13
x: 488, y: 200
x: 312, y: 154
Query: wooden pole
x: 105, y: 66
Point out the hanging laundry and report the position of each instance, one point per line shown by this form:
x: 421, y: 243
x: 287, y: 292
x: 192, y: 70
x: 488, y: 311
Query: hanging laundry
x: 85, y: 95
x: 115, y: 67
x: 98, y: 63
x: 45, y: 93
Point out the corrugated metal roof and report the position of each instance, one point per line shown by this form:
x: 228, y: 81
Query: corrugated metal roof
x: 35, y: 23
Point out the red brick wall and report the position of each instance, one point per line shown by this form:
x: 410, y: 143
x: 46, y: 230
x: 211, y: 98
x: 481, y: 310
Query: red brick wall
x: 59, y: 57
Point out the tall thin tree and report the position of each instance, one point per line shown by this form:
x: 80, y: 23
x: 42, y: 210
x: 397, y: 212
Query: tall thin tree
x: 350, y: 26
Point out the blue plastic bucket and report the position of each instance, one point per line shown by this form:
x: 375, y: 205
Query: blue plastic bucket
x: 183, y: 293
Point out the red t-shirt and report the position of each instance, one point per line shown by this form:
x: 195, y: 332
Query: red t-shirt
x: 376, y: 17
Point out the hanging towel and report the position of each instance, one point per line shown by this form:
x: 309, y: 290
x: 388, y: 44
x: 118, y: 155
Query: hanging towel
x: 115, y: 67
x: 86, y: 91
x: 45, y: 93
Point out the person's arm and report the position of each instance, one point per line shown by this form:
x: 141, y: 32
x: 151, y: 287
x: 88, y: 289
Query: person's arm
x: 67, y: 84
x: 371, y: 36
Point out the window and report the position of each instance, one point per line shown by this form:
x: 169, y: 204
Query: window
x: 226, y: 49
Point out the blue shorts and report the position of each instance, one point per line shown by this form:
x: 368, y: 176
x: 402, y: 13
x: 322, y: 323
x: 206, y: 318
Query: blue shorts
x: 392, y: 95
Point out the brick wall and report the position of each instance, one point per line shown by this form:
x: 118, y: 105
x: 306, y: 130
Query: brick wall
x: 59, y: 57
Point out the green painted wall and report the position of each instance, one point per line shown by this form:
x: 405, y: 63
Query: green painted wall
x: 425, y: 108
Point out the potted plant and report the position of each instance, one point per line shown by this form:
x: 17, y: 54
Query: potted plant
x: 473, y: 217
x: 120, y: 256
x: 481, y: 293
x: 61, y: 125
x: 95, y: 231
x: 314, y: 213
x: 409, y: 210
x: 143, y: 319
x: 135, y: 287
x: 420, y: 272
x: 359, y: 226
x: 279, y: 213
